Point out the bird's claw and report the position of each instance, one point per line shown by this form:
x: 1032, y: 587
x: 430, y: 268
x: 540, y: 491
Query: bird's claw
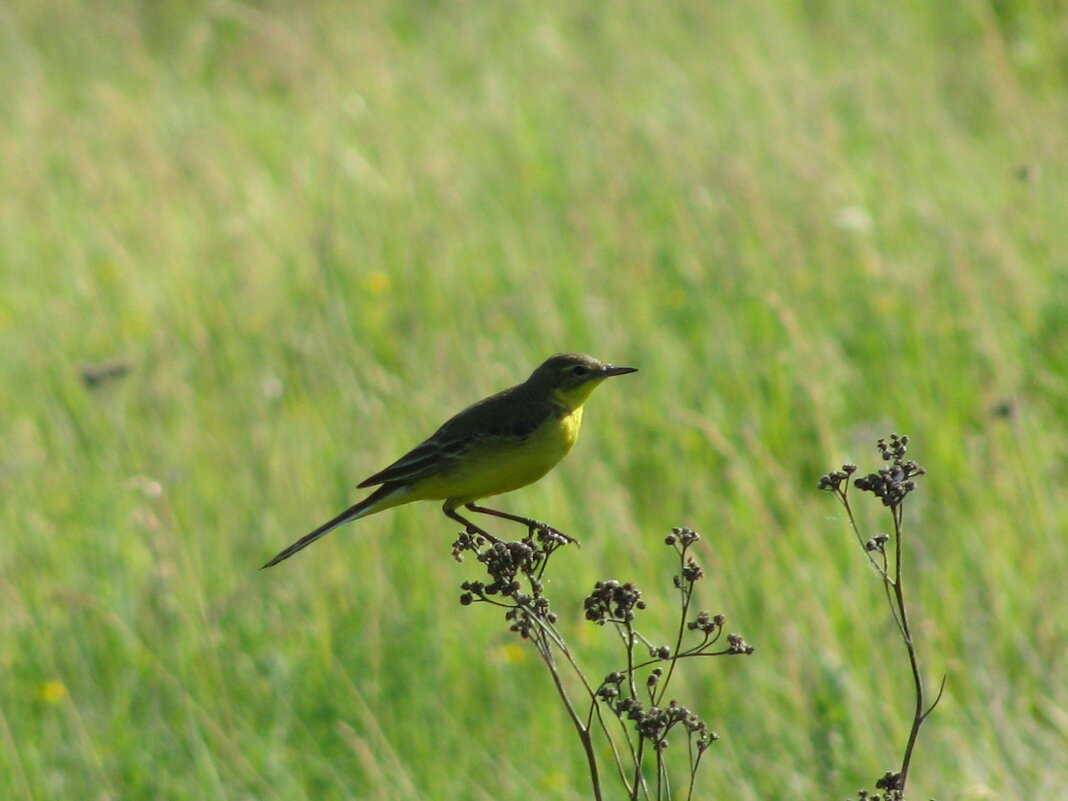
x: 546, y: 531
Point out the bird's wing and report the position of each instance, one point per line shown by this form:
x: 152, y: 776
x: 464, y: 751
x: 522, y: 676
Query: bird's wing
x: 504, y: 415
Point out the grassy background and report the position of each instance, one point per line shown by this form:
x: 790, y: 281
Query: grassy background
x: 809, y: 224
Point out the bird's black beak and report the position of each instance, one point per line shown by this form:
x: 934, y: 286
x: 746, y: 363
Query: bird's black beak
x: 609, y: 370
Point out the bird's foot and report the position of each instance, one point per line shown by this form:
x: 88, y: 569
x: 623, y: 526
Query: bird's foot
x: 546, y: 532
x: 475, y: 531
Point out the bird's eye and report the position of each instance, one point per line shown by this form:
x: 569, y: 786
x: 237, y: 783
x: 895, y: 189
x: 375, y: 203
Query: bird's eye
x: 580, y: 369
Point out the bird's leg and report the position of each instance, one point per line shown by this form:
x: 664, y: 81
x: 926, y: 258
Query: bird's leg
x: 468, y: 525
x: 530, y: 523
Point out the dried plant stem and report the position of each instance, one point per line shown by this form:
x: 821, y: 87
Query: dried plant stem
x: 543, y: 644
x: 516, y: 571
x: 891, y: 485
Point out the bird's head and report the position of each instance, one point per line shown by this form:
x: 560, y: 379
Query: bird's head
x: 571, y: 377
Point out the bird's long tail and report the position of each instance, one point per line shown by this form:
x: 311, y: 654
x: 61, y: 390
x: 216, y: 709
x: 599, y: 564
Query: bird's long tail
x: 372, y: 503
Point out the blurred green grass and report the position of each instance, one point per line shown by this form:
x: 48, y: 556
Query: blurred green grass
x: 315, y: 233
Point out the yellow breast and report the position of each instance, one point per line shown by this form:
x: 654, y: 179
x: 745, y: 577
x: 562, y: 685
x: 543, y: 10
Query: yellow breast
x: 569, y: 429
x: 508, y: 467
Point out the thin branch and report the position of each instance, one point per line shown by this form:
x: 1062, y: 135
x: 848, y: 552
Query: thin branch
x: 544, y: 648
x: 686, y: 590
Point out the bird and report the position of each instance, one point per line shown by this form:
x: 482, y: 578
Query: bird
x: 497, y: 445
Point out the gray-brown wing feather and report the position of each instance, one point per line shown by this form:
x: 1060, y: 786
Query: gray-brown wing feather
x: 515, y: 415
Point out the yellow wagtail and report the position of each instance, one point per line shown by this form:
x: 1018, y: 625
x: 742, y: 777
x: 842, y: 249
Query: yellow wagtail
x: 497, y: 445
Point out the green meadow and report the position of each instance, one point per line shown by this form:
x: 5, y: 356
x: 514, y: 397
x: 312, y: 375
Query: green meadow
x: 310, y: 232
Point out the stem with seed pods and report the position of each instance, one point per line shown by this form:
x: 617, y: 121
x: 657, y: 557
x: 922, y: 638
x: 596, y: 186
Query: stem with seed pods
x: 892, y: 485
x: 643, y: 722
